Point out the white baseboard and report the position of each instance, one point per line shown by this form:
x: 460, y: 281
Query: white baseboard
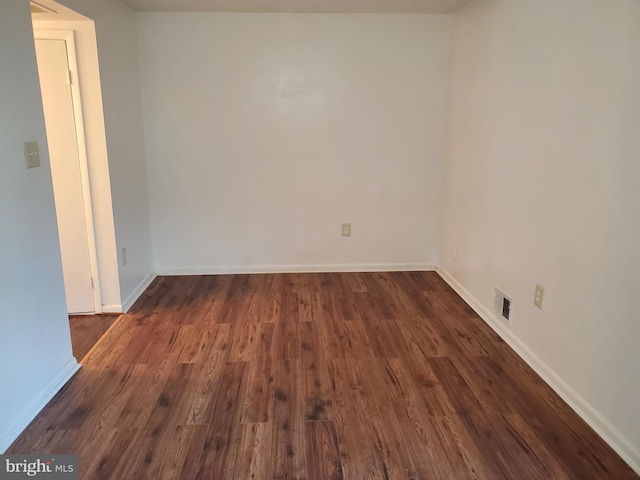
x: 112, y: 309
x: 364, y: 267
x: 15, y: 428
x: 610, y: 434
x: 135, y: 294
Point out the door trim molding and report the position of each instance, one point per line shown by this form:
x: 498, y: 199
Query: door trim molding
x: 68, y: 37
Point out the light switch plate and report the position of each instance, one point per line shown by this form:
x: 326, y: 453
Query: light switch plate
x: 31, y: 154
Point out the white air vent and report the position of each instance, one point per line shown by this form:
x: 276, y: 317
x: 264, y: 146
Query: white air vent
x: 503, y: 305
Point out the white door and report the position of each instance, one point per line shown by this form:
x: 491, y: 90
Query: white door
x: 57, y: 100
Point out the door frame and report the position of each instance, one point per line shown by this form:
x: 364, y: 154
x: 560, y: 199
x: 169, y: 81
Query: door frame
x: 68, y: 37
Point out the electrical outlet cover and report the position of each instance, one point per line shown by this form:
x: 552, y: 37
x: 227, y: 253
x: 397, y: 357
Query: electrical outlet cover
x: 32, y: 154
x: 538, y: 296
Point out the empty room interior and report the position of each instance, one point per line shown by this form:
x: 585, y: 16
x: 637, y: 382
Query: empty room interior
x: 331, y: 239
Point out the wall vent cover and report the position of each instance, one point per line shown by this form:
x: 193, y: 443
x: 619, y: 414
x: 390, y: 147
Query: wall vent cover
x: 503, y: 304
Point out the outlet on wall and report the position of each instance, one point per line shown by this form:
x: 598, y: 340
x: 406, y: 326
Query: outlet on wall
x: 346, y: 229
x: 539, y: 295
x: 124, y: 256
x: 454, y: 253
x: 32, y: 154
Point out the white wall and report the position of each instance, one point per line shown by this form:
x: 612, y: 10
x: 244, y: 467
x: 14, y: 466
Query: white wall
x: 543, y: 177
x: 35, y: 346
x: 265, y: 132
x: 116, y: 43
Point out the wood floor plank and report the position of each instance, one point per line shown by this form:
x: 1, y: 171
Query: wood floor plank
x: 206, y: 382
x: 334, y: 337
x: 234, y: 307
x: 329, y: 375
x: 105, y: 454
x: 196, y: 340
x: 384, y: 338
x: 317, y: 388
x: 144, y: 395
x: 356, y: 282
x: 290, y: 312
x: 381, y: 298
x: 245, y: 342
x: 424, y: 340
x: 458, y: 391
x: 151, y: 445
x: 502, y: 454
x: 254, y: 457
x: 254, y: 305
x: 222, y: 442
x: 289, y: 346
x: 547, y: 465
x: 53, y: 441
x: 288, y: 441
x: 322, y: 455
x: 459, y: 448
x: 491, y: 395
x: 75, y: 417
x: 86, y: 330
x: 182, y: 460
x: 391, y: 449
x: 108, y: 351
x: 411, y: 391
x: 427, y: 453
x: 344, y: 299
x: 270, y: 311
x: 113, y: 399
x: 305, y: 305
x: 259, y: 400
x: 359, y: 459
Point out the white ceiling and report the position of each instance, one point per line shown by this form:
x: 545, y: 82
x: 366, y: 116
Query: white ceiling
x: 299, y: 6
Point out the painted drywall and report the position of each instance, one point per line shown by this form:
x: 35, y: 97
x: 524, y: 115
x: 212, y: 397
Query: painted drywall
x: 299, y: 6
x: 542, y: 180
x: 35, y: 345
x: 265, y: 132
x: 115, y: 29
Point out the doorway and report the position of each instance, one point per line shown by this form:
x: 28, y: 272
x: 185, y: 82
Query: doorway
x: 57, y: 68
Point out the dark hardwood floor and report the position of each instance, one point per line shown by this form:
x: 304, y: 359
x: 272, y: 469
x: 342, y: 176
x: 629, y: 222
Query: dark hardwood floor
x: 86, y: 330
x: 355, y: 376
